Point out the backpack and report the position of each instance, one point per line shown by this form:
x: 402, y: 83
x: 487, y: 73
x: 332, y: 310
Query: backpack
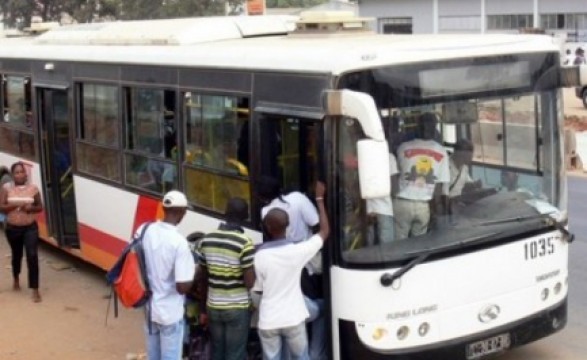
x: 128, y: 276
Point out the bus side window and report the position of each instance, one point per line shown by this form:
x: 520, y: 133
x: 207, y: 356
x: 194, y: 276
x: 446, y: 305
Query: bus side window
x: 216, y: 149
x: 151, y: 137
x: 98, y: 143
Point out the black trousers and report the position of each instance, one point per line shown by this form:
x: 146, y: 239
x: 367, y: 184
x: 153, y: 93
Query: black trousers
x: 27, y: 238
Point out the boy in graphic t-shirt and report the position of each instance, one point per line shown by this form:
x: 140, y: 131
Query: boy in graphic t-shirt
x: 424, y: 167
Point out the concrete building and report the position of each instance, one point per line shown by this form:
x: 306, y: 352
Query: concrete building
x: 563, y: 18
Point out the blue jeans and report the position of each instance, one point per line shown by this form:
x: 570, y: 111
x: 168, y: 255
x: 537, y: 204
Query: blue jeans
x: 317, y: 321
x: 294, y: 337
x: 165, y: 341
x: 229, y: 332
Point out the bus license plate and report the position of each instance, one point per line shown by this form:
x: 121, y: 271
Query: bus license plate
x: 492, y: 345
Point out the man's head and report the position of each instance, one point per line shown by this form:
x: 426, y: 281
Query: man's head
x: 579, y: 51
x: 427, y: 126
x: 269, y: 188
x: 237, y: 210
x: 275, y: 223
x: 175, y: 205
x: 463, y: 154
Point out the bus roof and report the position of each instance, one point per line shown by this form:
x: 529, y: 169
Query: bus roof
x: 255, y: 43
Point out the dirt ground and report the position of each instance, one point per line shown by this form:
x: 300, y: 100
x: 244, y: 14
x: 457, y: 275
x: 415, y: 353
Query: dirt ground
x: 70, y: 322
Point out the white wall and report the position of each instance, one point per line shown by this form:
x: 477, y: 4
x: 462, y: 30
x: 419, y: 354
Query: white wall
x: 419, y: 10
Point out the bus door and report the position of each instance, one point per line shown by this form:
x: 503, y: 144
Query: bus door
x: 56, y: 162
x: 289, y: 151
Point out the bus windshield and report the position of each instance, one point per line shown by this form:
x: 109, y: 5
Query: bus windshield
x: 471, y: 161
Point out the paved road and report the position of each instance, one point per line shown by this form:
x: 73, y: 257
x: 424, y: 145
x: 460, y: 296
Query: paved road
x: 573, y: 105
x: 571, y: 342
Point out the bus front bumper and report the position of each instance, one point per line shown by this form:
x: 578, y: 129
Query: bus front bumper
x: 520, y: 333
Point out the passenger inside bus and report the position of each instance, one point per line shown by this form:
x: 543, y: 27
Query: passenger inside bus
x: 424, y: 168
x: 163, y: 174
x: 375, y: 215
x: 461, y: 182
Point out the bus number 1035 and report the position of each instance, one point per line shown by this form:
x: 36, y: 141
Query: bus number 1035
x: 538, y: 248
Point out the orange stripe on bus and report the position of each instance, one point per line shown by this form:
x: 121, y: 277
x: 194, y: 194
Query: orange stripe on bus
x: 100, y: 240
x: 148, y: 209
x: 98, y: 256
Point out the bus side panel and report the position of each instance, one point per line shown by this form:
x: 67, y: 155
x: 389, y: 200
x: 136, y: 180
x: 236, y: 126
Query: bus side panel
x: 108, y: 216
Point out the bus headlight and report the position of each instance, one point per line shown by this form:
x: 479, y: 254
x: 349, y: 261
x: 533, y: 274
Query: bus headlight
x: 403, y: 332
x: 423, y: 329
x: 379, y: 333
x: 544, y: 294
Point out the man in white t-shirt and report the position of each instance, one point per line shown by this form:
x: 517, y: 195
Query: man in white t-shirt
x: 303, y: 217
x: 278, y: 266
x: 380, y: 212
x: 170, y: 270
x: 303, y: 223
x: 423, y: 165
x: 568, y: 58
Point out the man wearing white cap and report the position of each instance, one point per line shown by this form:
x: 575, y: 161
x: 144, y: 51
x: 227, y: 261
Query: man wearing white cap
x: 170, y: 270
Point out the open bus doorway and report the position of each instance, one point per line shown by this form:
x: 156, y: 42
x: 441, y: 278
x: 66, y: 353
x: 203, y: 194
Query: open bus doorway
x: 289, y: 152
x: 56, y: 162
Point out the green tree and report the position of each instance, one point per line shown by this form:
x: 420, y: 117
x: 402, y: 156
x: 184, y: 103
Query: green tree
x: 18, y: 13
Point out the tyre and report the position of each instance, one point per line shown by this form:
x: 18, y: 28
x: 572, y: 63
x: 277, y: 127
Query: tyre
x: 585, y: 97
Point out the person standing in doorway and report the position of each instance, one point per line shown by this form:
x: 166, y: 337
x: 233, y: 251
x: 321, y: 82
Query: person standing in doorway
x: 303, y: 223
x: 278, y: 265
x: 170, y: 270
x: 21, y: 202
x: 225, y: 258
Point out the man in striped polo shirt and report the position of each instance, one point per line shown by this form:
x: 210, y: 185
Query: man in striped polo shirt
x: 226, y: 267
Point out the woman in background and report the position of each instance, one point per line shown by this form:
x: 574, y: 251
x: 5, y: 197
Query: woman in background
x: 21, y: 202
x: 4, y: 178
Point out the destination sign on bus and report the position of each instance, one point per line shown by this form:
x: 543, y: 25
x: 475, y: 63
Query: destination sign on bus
x: 474, y: 78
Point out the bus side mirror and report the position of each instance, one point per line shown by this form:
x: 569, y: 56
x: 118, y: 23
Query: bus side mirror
x: 374, y: 178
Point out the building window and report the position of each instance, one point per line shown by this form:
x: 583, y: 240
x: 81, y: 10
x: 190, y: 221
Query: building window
x: 509, y: 22
x: 459, y: 23
x: 151, y: 139
x: 16, y: 128
x: 98, y: 145
x: 217, y: 151
x: 564, y: 21
x: 402, y: 25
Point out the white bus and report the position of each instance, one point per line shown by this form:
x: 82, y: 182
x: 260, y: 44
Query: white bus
x: 109, y: 116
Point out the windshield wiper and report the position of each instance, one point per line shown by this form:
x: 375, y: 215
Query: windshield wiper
x: 387, y: 279
x: 548, y: 220
x: 512, y: 219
